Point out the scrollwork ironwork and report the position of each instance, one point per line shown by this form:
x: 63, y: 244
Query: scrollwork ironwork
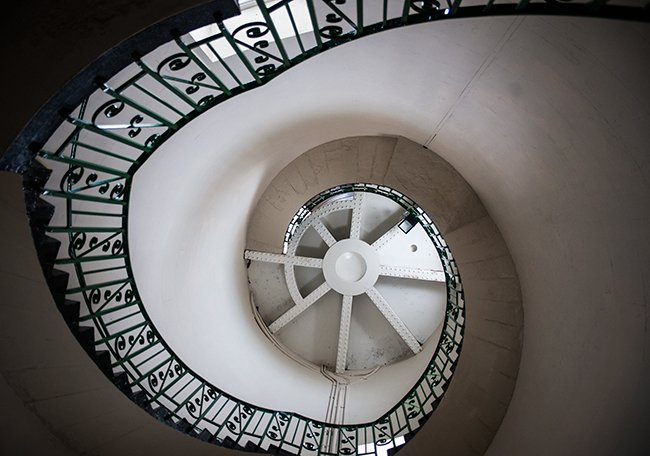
x: 99, y: 298
x: 347, y: 441
x: 78, y: 240
x: 276, y: 430
x: 446, y: 343
x: 199, y: 402
x: 333, y: 18
x: 75, y: 174
x: 135, y: 131
x: 195, y: 88
x: 312, y: 436
x: 190, y: 84
x: 426, y: 7
x: 412, y: 406
x: 158, y: 379
x: 239, y: 418
x: 139, y: 337
x: 152, y: 140
x: 255, y: 31
x: 174, y: 62
x: 331, y: 31
x: 109, y: 110
x: 71, y: 178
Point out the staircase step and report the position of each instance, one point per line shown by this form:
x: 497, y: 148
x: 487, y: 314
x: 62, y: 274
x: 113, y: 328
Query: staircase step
x: 103, y: 360
x: 277, y: 450
x: 121, y: 380
x: 48, y: 249
x: 57, y: 281
x: 161, y: 414
x: 36, y: 175
x: 39, y: 211
x: 205, y: 436
x: 228, y: 442
x: 140, y: 398
x: 251, y: 447
x: 70, y: 311
x: 86, y: 337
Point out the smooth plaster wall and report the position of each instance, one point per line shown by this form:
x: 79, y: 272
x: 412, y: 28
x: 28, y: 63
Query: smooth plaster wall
x: 553, y: 135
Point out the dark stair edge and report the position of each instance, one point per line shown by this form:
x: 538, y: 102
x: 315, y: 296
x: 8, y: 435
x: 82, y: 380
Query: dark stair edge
x: 39, y: 213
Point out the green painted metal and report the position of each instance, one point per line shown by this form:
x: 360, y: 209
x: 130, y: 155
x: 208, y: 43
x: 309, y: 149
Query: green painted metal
x: 238, y: 51
x: 522, y: 5
x: 113, y: 133
x: 276, y: 37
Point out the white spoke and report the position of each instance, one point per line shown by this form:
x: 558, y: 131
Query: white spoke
x: 278, y: 258
x: 357, y: 211
x: 387, y: 236
x: 412, y: 273
x: 299, y: 308
x: 324, y: 233
x: 317, y: 214
x: 394, y: 320
x: 344, y: 334
x: 292, y: 285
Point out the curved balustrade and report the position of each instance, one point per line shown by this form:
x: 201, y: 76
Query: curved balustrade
x: 103, y: 142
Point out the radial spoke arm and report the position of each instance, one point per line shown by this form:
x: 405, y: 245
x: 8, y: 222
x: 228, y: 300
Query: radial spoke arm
x: 289, y: 260
x: 317, y: 214
x: 412, y: 273
x: 357, y: 211
x: 299, y: 308
x: 387, y: 236
x: 324, y: 233
x: 394, y: 320
x: 344, y: 334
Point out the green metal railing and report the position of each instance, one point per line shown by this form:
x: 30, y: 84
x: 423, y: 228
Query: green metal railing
x: 104, y: 141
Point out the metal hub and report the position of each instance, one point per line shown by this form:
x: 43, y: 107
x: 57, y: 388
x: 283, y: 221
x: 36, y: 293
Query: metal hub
x: 351, y: 267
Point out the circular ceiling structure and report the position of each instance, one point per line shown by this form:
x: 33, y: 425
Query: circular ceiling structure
x: 343, y: 252
x: 353, y: 308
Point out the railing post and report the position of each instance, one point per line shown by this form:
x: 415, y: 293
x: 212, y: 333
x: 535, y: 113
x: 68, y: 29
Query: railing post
x: 274, y: 32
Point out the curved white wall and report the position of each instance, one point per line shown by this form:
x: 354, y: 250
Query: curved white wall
x: 547, y: 118
x: 191, y: 201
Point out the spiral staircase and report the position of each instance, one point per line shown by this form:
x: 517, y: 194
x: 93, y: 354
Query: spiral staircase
x: 61, y: 402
